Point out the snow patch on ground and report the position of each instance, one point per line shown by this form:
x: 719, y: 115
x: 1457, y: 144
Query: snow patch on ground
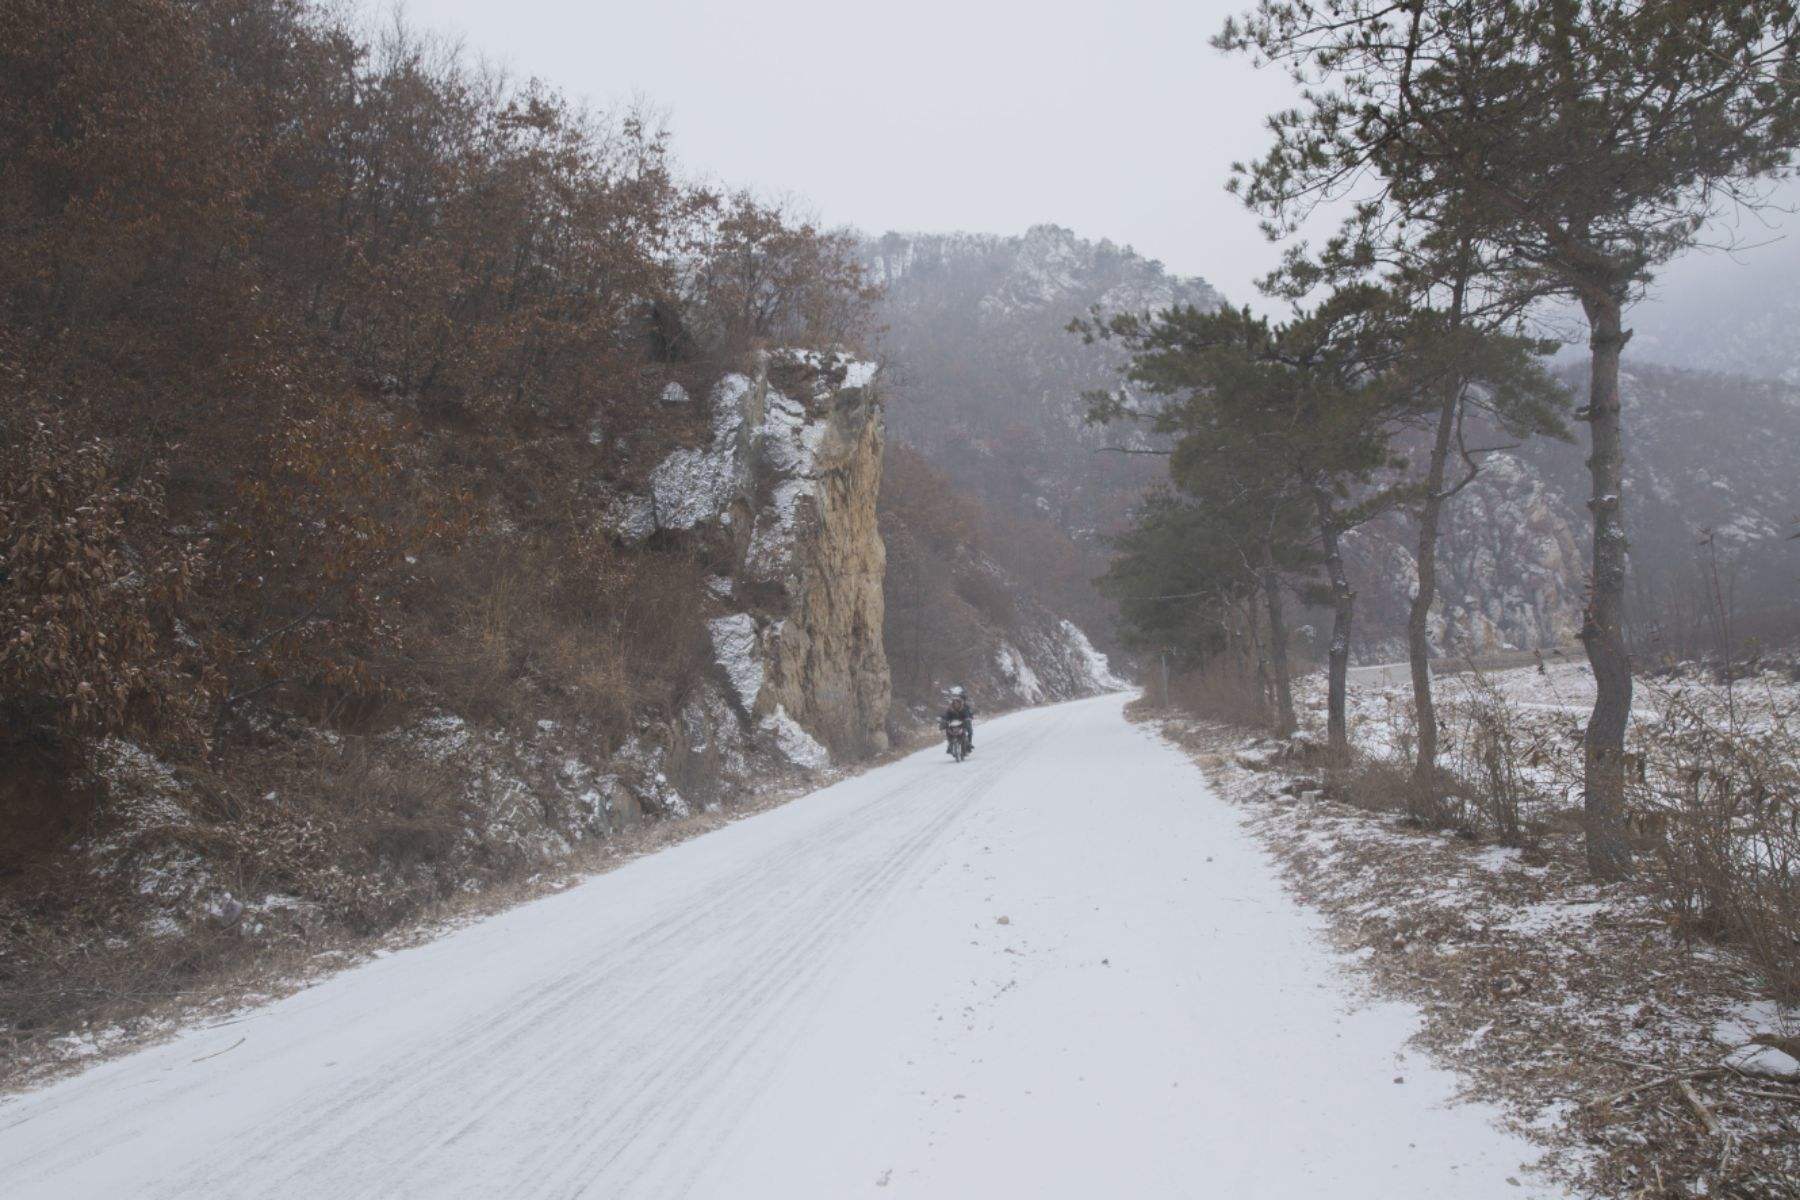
x: 1764, y: 1060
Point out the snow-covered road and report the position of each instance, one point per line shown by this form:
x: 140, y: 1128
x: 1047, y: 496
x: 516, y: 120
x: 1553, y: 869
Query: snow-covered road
x: 1058, y: 970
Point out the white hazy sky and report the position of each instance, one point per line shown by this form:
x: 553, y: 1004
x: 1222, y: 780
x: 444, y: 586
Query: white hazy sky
x: 1115, y: 119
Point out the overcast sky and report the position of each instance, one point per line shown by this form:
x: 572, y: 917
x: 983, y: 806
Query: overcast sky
x: 1115, y: 119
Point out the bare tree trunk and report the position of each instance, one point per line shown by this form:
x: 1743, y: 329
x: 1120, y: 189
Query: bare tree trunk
x: 1603, y: 624
x: 1278, y: 647
x: 1418, y: 645
x: 1343, y: 612
x: 1264, y: 685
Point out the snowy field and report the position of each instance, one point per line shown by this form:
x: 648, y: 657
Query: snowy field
x: 1542, y: 712
x: 1063, y: 969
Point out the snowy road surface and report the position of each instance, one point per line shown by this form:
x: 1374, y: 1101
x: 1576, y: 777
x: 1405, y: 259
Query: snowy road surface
x: 1058, y: 970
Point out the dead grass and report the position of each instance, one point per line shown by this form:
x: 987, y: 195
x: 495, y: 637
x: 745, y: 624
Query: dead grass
x: 1718, y: 799
x: 1580, y: 1010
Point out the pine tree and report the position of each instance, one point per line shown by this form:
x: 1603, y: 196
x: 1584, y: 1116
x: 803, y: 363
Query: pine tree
x: 1586, y: 141
x: 1296, y: 416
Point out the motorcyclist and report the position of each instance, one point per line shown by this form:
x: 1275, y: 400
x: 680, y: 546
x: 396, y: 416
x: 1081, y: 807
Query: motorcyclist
x: 960, y: 710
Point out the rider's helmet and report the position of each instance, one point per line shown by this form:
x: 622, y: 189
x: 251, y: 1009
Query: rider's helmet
x: 958, y: 692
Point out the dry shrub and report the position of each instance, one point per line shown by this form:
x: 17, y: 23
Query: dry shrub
x: 355, y: 834
x: 1221, y: 690
x: 1718, y: 791
x: 575, y: 629
x: 390, y: 835
x: 90, y: 595
x: 1490, y: 747
x: 986, y: 593
x: 1374, y: 785
x: 329, y: 377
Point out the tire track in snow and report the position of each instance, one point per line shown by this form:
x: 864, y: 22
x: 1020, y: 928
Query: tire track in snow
x: 848, y: 916
x: 590, y: 1075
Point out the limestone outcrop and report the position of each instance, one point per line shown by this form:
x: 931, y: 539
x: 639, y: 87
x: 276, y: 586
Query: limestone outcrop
x: 785, y: 490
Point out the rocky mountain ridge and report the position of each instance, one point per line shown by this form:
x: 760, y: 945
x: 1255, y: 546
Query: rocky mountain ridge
x: 987, y: 381
x: 988, y: 384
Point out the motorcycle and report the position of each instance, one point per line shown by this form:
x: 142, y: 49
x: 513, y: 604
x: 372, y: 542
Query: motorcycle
x: 957, y: 732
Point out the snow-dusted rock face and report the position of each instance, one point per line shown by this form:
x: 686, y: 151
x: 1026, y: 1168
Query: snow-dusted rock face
x: 799, y: 746
x: 1036, y: 657
x: 1089, y: 662
x: 818, y: 463
x: 1044, y: 659
x: 694, y: 485
x: 1017, y: 674
x: 738, y: 652
x: 787, y: 483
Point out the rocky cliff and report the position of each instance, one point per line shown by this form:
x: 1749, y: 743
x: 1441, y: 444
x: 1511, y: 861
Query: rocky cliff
x: 1510, y: 568
x: 782, y: 498
x: 760, y: 541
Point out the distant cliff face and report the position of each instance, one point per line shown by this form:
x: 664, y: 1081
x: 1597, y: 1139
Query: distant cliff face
x: 1705, y: 454
x: 1510, y: 567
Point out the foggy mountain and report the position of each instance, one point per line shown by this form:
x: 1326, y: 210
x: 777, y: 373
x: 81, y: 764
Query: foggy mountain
x: 1716, y: 314
x: 987, y: 382
x: 1708, y: 452
x: 986, y: 379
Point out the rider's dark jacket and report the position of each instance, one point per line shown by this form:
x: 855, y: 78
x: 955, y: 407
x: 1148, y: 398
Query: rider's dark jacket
x: 966, y: 713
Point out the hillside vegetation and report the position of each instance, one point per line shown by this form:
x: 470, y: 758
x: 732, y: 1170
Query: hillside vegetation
x: 323, y: 363
x: 408, y: 482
